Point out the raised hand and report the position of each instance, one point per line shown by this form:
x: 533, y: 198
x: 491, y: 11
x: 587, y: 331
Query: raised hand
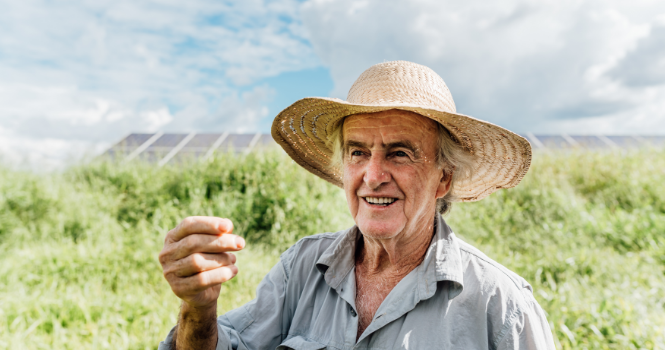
x: 196, y: 259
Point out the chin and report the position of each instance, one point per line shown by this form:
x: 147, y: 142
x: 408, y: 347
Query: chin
x: 379, y: 230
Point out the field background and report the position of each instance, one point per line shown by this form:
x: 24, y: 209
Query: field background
x: 78, y: 249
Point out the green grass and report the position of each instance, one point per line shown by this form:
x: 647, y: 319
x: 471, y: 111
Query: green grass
x: 78, y: 250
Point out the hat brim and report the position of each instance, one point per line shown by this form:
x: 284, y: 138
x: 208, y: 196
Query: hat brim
x: 501, y: 157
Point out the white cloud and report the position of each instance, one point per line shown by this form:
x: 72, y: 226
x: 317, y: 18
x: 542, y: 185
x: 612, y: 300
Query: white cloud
x: 524, y: 64
x: 238, y: 112
x: 85, y: 73
x: 79, y: 75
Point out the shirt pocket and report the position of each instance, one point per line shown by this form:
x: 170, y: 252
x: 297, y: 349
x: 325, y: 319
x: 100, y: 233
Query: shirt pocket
x: 300, y: 343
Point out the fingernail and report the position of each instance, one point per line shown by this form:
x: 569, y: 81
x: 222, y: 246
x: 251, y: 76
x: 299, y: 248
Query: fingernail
x: 240, y: 242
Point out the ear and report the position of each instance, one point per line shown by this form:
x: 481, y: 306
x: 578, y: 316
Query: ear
x: 444, y: 184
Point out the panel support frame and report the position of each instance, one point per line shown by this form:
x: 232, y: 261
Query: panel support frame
x: 143, y: 146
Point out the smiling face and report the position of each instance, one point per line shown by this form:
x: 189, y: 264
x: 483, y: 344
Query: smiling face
x: 391, y: 179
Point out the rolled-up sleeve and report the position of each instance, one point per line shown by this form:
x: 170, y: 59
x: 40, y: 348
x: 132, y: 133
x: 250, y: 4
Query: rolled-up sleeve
x: 257, y: 324
x: 529, y: 329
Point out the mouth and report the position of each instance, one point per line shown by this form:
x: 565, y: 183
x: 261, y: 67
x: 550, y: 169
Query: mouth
x: 380, y: 201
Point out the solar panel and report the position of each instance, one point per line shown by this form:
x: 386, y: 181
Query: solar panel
x: 654, y: 141
x: 162, y: 148
x: 127, y: 145
x: 195, y: 148
x: 589, y: 142
x: 202, y: 141
x: 135, y: 140
x: 553, y: 141
x: 240, y: 141
x: 168, y: 141
x: 625, y: 141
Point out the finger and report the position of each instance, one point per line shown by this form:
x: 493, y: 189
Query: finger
x: 195, y: 284
x: 198, y: 262
x: 198, y: 243
x: 201, y: 225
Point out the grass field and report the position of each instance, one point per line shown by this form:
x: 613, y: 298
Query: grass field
x: 78, y: 250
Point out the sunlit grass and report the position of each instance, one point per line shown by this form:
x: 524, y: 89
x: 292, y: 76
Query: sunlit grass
x: 78, y: 250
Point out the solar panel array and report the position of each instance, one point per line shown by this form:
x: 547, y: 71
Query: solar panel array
x: 163, y: 148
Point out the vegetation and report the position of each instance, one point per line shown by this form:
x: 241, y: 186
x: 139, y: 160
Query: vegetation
x: 78, y: 250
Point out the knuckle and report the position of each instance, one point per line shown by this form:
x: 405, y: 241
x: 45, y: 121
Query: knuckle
x: 188, y: 221
x: 164, y: 256
x: 170, y: 234
x: 175, y: 284
x: 169, y: 271
x: 189, y: 242
x: 201, y: 280
x: 196, y: 262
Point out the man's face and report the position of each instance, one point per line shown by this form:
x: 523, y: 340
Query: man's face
x: 391, y: 179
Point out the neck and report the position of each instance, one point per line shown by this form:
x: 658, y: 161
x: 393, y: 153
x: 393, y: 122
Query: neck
x: 399, y: 254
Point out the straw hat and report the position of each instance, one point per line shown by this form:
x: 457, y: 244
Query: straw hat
x: 501, y: 157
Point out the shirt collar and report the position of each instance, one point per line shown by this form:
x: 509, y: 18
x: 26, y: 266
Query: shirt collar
x: 443, y: 261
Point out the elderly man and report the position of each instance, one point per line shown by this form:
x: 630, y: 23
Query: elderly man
x: 398, y: 279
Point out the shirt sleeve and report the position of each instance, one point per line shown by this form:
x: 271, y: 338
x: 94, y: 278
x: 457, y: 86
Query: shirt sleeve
x: 529, y: 330
x: 258, y: 324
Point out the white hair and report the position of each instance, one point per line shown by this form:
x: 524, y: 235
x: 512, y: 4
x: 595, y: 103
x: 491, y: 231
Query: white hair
x: 451, y: 157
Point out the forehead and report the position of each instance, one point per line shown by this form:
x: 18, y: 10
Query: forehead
x: 392, y: 123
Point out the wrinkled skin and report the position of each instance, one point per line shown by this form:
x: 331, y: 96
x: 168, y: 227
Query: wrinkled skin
x: 391, y: 155
x: 196, y: 260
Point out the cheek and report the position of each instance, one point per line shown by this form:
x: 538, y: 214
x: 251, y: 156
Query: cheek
x: 352, y: 175
x: 420, y: 185
x: 351, y: 183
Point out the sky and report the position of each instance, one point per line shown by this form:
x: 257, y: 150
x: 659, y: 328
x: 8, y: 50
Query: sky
x: 77, y: 76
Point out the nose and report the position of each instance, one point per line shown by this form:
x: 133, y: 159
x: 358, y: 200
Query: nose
x: 375, y: 172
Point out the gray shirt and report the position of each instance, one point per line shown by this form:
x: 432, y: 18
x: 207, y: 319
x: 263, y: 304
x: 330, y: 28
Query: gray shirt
x: 457, y: 298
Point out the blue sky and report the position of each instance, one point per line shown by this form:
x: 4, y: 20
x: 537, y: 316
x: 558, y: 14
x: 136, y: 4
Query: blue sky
x: 77, y: 76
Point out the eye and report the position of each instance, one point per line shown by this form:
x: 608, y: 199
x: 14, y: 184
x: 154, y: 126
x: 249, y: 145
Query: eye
x: 400, y: 154
x: 356, y: 153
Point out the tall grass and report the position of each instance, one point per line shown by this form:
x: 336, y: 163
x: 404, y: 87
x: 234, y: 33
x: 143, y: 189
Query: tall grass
x: 78, y: 250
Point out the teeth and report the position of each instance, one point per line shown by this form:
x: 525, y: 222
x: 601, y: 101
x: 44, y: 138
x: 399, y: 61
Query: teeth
x: 380, y: 200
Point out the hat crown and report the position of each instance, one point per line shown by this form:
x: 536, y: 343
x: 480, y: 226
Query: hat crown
x: 401, y: 83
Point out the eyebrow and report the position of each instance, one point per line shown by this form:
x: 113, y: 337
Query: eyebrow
x: 398, y: 144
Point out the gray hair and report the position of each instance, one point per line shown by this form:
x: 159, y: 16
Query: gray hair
x: 451, y: 157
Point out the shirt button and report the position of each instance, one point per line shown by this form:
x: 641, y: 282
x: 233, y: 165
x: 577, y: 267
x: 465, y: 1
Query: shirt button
x: 353, y: 312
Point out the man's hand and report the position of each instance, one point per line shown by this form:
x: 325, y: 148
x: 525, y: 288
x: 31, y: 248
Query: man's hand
x: 196, y: 259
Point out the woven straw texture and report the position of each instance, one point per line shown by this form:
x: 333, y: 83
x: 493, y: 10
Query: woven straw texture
x: 501, y: 157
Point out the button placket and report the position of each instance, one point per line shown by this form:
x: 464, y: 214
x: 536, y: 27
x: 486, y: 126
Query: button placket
x: 352, y: 328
